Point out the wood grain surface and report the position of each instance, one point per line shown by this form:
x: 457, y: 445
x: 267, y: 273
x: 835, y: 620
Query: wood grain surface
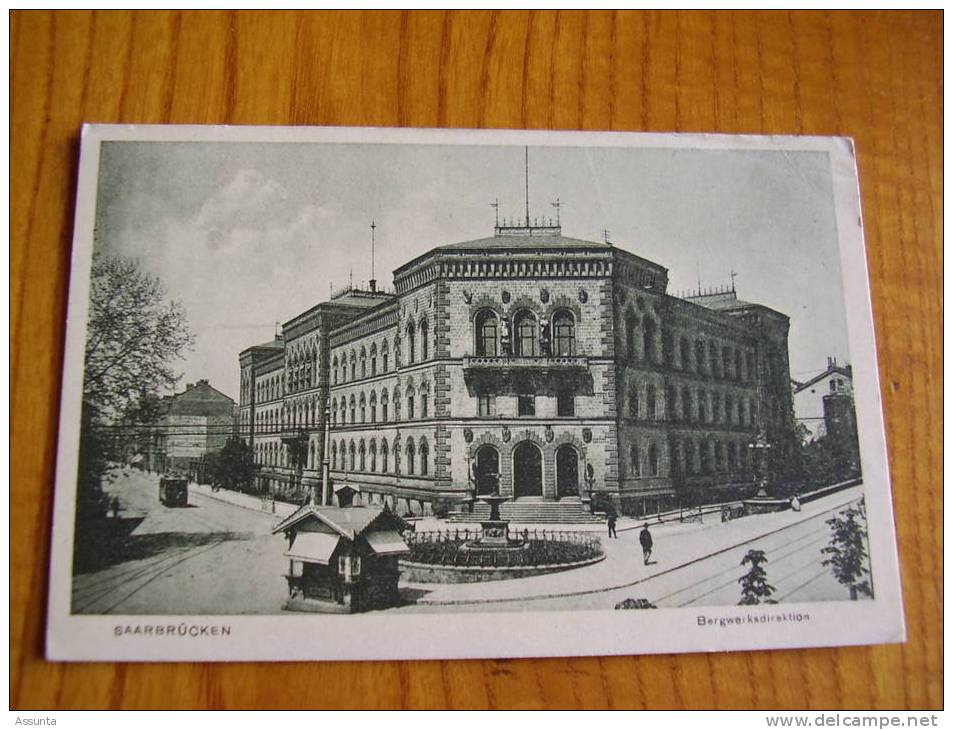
x: 876, y: 77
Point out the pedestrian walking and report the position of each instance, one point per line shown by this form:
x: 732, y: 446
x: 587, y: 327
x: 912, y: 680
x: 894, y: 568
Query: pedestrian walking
x: 114, y: 506
x: 645, y: 539
x: 610, y: 520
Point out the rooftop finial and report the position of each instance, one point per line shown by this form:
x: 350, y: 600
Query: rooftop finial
x: 496, y: 208
x: 526, y: 157
x: 373, y: 228
x: 557, y: 205
x: 732, y: 274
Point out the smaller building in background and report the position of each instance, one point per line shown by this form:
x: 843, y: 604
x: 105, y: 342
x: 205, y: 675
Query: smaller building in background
x: 189, y: 426
x: 815, y: 408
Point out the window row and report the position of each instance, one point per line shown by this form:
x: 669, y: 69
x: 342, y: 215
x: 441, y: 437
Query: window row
x: 710, y: 456
x: 383, y: 408
x: 525, y: 334
x: 646, y: 340
x: 368, y: 362
x: 303, y: 414
x: 691, y: 405
x: 385, y: 459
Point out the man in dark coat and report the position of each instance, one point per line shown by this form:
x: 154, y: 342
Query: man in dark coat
x: 645, y: 538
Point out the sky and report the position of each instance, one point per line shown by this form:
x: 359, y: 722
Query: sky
x: 247, y: 234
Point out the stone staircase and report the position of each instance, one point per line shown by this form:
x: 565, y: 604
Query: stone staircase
x: 530, y: 511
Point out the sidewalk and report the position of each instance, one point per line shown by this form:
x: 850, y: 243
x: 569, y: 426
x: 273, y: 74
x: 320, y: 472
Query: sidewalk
x: 676, y: 545
x: 248, y: 501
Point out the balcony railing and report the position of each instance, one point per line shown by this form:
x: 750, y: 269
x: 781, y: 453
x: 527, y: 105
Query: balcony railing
x: 546, y: 362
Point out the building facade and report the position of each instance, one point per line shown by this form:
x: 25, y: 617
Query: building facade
x: 531, y: 363
x: 189, y: 426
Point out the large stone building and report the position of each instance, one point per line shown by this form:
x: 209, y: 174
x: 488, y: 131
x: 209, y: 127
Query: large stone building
x: 521, y: 362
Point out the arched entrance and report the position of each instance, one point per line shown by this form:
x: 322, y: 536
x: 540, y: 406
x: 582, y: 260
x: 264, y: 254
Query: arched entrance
x: 567, y: 471
x: 527, y: 470
x: 486, y: 470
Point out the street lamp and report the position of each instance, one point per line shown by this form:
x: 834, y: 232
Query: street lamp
x: 761, y: 446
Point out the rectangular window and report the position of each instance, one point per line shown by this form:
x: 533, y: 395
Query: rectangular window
x: 565, y: 403
x: 486, y: 405
x: 526, y: 405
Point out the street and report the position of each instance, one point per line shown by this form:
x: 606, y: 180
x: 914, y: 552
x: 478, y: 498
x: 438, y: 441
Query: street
x: 213, y: 557
x: 207, y: 558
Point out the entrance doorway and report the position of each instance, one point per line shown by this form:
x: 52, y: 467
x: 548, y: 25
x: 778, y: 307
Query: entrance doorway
x: 527, y: 470
x: 567, y: 472
x: 486, y: 470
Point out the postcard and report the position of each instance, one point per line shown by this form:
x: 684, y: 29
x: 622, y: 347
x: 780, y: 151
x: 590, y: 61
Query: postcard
x: 353, y: 393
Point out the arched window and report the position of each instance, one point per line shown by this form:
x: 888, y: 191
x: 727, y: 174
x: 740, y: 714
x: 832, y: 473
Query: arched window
x: 411, y: 343
x: 374, y: 359
x: 373, y: 455
x: 526, y: 342
x: 699, y: 356
x: 334, y: 369
x: 424, y: 458
x: 396, y: 402
x: 384, y: 357
x: 752, y: 419
x: 363, y: 403
x: 410, y: 403
x: 373, y: 406
x: 686, y: 405
x: 384, y: 398
x: 424, y: 402
x: 653, y: 460
x: 648, y: 331
x: 352, y: 403
x: 334, y: 412
x: 631, y: 329
x: 311, y: 455
x: 487, y: 329
x: 353, y: 454
x: 713, y: 362
x: 362, y: 451
x: 702, y: 411
x: 363, y: 363
x: 634, y: 407
x: 384, y: 451
x: 564, y: 334
x: 424, y: 343
x: 396, y: 455
x: 670, y: 407
x: 650, y: 400
x: 635, y: 460
x: 689, y: 456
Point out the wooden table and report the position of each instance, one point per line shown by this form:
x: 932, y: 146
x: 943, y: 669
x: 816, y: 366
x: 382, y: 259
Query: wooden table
x: 874, y: 76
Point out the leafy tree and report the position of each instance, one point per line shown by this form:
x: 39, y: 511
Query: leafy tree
x: 133, y: 336
x: 755, y: 588
x: 847, y: 551
x: 233, y: 466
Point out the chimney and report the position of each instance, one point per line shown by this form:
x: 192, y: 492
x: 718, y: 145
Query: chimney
x: 373, y: 285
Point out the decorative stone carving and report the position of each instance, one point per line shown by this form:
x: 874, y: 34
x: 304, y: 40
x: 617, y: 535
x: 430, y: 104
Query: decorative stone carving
x: 583, y: 297
x: 467, y: 296
x: 506, y: 434
x: 549, y: 434
x: 468, y: 435
x: 506, y: 297
x: 544, y: 295
x: 587, y: 435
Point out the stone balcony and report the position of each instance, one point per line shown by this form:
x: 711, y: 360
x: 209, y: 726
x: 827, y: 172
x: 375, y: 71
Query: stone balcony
x: 507, y: 362
x: 504, y: 373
